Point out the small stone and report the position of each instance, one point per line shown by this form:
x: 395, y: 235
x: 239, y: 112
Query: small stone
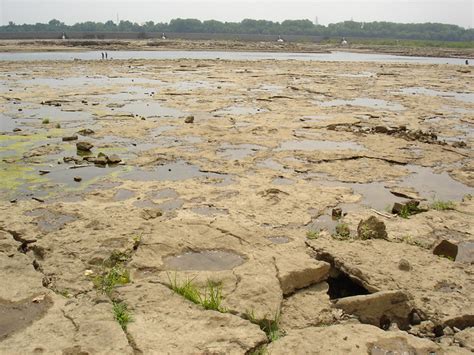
x: 84, y: 146
x: 100, y: 160
x: 70, y: 138
x: 371, y: 228
x: 446, y: 249
x: 448, y: 331
x: 414, y: 318
x: 77, y: 179
x: 86, y: 132
x: 150, y: 213
x: 189, y: 119
x: 409, y: 206
x: 337, y: 212
x: 114, y: 159
x: 404, y: 265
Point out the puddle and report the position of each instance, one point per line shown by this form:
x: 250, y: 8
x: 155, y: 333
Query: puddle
x: 161, y: 129
x: 207, y: 260
x: 151, y: 109
x: 171, y: 172
x: 191, y: 85
x: 54, y: 114
x: 238, y: 151
x: 171, y: 205
x: 271, y: 164
x: 364, y: 102
x: 459, y: 96
x: 209, y: 211
x: 15, y: 316
x: 123, y: 194
x: 49, y: 221
x: 282, y: 181
x: 311, y: 145
x: 279, y: 240
x: 163, y: 194
x: 240, y: 110
x: 145, y: 204
x: 432, y: 186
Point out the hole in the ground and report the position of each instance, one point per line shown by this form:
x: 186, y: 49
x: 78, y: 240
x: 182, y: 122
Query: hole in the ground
x: 342, y: 285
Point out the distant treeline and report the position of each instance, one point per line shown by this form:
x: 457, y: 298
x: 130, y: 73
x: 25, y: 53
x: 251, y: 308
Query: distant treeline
x: 420, y: 31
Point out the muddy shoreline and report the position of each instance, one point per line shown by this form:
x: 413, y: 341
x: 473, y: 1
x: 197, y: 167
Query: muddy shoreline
x: 226, y: 206
x: 202, y: 45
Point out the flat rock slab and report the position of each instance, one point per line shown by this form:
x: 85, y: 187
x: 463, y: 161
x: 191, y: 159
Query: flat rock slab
x: 310, y: 307
x: 350, y: 339
x: 79, y: 326
x: 379, y: 309
x: 166, y: 322
x: 441, y: 289
x: 299, y: 270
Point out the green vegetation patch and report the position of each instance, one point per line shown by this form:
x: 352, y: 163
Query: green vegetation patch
x: 121, y: 314
x: 210, y: 299
x: 443, y: 205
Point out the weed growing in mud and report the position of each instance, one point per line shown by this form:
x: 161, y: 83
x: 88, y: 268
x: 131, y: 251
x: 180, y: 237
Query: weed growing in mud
x: 116, y: 258
x: 342, y: 232
x: 121, y: 314
x: 312, y: 234
x: 117, y: 275
x: 58, y: 125
x: 271, y: 327
x: 211, y: 299
x: 409, y: 210
x: 440, y: 205
x: 45, y: 121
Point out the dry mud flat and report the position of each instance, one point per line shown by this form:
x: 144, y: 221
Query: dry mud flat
x: 223, y: 45
x: 225, y: 174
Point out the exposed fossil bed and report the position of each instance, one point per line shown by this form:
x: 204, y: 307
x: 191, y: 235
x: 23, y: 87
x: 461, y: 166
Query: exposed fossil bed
x: 227, y: 171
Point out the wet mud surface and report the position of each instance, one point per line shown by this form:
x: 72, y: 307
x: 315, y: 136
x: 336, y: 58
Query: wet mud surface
x: 252, y: 174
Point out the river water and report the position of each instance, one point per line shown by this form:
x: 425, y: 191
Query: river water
x: 333, y: 56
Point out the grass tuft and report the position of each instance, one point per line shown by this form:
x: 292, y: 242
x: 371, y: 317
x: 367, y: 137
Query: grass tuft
x: 342, y: 231
x: 106, y: 282
x: 312, y: 234
x: 440, y: 205
x: 45, y: 121
x: 211, y: 299
x: 121, y: 314
x: 271, y: 327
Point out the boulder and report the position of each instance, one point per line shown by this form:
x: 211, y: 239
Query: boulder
x: 379, y: 309
x: 114, y: 159
x: 84, y: 146
x: 350, y: 339
x: 70, y: 138
x: 299, y: 271
x: 371, y: 228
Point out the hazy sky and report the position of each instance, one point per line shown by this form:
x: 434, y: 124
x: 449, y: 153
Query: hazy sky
x: 460, y: 12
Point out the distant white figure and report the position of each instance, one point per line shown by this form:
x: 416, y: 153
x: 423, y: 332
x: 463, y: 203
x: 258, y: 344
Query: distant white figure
x: 280, y: 40
x: 343, y: 42
x: 63, y: 36
x: 163, y: 36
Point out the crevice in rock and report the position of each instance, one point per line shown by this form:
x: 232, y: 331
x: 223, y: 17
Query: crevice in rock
x: 357, y: 157
x: 76, y: 327
x: 132, y: 343
x: 343, y: 285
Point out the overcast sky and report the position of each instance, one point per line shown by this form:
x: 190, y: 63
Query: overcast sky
x: 459, y: 12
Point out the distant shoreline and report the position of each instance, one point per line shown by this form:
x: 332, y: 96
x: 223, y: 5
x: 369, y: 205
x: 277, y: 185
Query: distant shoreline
x: 7, y: 46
